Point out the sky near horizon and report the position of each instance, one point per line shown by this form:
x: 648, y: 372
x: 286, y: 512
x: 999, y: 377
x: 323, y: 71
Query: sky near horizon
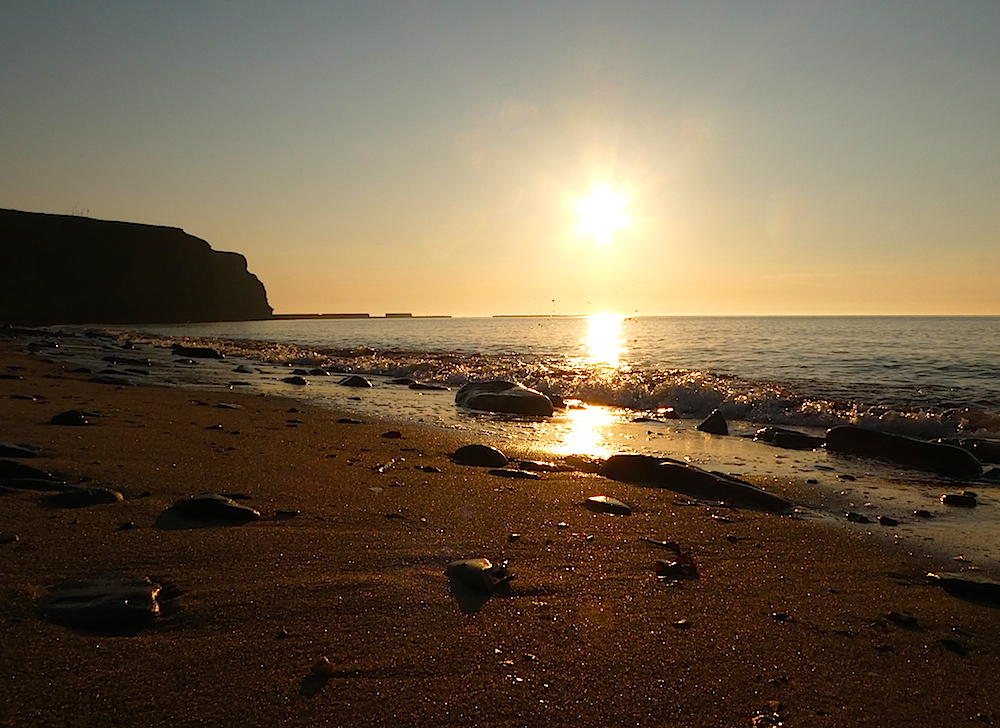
x: 779, y: 156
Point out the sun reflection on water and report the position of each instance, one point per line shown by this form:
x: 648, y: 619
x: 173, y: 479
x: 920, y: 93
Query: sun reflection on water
x: 604, y: 343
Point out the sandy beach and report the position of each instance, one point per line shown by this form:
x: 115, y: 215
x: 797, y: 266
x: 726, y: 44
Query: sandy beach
x: 791, y: 622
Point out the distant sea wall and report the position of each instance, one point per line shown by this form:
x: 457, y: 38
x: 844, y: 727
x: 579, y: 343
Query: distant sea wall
x: 68, y: 269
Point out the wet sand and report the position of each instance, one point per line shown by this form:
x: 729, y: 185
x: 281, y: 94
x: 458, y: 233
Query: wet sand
x: 788, y: 617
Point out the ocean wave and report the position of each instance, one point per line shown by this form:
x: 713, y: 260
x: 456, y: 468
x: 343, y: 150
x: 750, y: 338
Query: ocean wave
x: 690, y: 393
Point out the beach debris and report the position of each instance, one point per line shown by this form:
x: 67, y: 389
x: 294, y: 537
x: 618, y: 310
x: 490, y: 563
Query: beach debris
x: 887, y: 521
x: 769, y: 718
x: 935, y: 457
x: 780, y: 616
x: 480, y: 575
x: 498, y: 395
x: 691, y: 481
x: 384, y: 466
x: 296, y: 380
x: 8, y: 537
x: 197, y: 352
x: 428, y: 469
x: 354, y: 381
x: 788, y: 439
x: 607, y: 504
x: 683, y: 567
x: 81, y: 497
x: 965, y: 586
x: 71, y: 417
x: 14, y: 450
x: 714, y: 424
x: 104, y: 603
x: 966, y: 499
x: 480, y: 455
x: 214, y: 507
x: 512, y: 473
x: 681, y: 624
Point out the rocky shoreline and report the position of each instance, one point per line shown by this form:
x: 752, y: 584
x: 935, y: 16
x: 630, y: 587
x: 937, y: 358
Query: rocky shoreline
x: 339, y: 603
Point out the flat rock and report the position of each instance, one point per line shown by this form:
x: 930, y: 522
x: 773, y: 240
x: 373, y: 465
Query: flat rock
x: 691, y: 481
x: 512, y: 473
x: 296, y: 380
x: 607, y: 504
x: 212, y: 507
x: 13, y: 470
x: 714, y: 424
x: 102, y: 604
x: 14, y: 450
x: 81, y: 497
x: 985, y: 450
x: 788, y: 439
x: 505, y: 397
x: 354, y: 381
x: 934, y: 457
x: 70, y: 417
x: 429, y: 387
x: 964, y: 586
x: 480, y: 455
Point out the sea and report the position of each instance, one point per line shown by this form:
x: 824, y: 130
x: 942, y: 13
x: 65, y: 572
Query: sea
x: 925, y: 376
x: 639, y: 384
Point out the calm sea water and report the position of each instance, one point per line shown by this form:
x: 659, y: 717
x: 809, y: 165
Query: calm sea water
x: 925, y: 376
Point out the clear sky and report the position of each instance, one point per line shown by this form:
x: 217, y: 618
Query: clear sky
x: 779, y: 156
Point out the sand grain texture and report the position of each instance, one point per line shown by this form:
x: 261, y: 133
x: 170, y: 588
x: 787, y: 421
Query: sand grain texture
x: 586, y: 638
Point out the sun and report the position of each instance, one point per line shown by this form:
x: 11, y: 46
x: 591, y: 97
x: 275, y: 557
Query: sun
x: 602, y: 213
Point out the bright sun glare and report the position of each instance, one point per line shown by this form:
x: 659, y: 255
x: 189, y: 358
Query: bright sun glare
x: 602, y: 213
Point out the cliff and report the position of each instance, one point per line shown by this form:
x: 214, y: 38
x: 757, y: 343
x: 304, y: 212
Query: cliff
x: 65, y: 269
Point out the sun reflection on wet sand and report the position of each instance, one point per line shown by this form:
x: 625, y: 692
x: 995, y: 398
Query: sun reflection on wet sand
x: 586, y: 432
x: 604, y: 343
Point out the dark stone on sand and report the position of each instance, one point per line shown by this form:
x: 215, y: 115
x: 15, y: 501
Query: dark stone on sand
x: 14, y: 450
x: 82, y: 497
x: 7, y: 537
x: 128, y: 361
x: 517, y: 474
x: 985, y: 450
x: 607, y: 504
x: 480, y: 455
x: 888, y: 521
x: 70, y: 417
x: 906, y: 621
x: 405, y: 381
x: 213, y: 507
x: 715, y: 424
x: 921, y: 513
x: 349, y: 421
x: 354, y: 381
x: 243, y: 369
x: 965, y: 586
x: 789, y: 439
x: 226, y: 405
x: 197, y: 352
x: 505, y: 397
x: 430, y: 387
x: 393, y: 435
x: 479, y: 574
x: 115, y: 380
x: 691, y: 481
x: 931, y: 456
x: 102, y: 604
x: 296, y: 380
x: 857, y: 518
x: 962, y: 500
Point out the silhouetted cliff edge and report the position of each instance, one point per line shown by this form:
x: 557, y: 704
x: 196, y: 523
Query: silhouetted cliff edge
x: 66, y: 269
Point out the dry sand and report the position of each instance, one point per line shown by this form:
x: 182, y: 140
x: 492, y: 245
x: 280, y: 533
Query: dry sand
x: 587, y: 637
